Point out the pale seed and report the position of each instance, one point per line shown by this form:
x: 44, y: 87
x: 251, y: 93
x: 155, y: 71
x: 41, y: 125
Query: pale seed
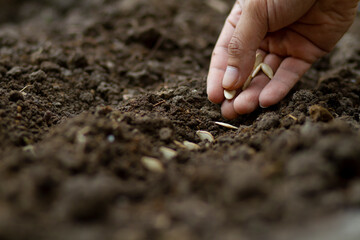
x: 226, y: 125
x: 179, y: 144
x: 267, y: 70
x: 256, y: 71
x: 204, y: 135
x: 247, y: 83
x: 229, y: 94
x: 168, y: 153
x: 152, y: 164
x: 258, y: 60
x: 190, y: 145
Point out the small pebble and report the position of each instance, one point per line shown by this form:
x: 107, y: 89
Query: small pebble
x: 86, y: 97
x: 14, y: 71
x: 37, y: 76
x: 50, y: 67
x: 165, y: 134
x: 319, y: 113
x: 111, y: 138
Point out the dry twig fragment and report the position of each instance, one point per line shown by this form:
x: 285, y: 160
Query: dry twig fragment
x: 293, y: 117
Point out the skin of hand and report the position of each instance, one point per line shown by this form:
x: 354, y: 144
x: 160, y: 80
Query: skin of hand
x: 290, y: 34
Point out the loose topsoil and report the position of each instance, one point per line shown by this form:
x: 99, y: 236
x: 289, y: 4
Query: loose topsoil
x: 89, y: 88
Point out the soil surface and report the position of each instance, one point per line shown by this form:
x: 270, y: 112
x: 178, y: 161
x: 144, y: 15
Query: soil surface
x: 89, y: 90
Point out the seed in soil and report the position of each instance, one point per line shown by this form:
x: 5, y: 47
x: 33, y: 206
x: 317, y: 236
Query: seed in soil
x: 226, y: 125
x: 152, y: 164
x: 191, y: 146
x: 168, y: 153
x: 204, y: 135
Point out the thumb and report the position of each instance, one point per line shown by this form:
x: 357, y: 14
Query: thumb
x: 250, y: 31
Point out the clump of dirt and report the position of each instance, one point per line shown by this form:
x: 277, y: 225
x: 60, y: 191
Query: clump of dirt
x: 90, y: 88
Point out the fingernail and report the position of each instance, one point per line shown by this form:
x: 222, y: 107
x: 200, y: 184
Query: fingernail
x: 262, y: 106
x: 230, y: 77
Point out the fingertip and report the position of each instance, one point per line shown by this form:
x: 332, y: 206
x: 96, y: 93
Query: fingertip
x: 231, y: 77
x: 214, y: 95
x: 262, y: 106
x: 214, y: 89
x: 268, y: 98
x: 245, y: 103
x: 227, y: 110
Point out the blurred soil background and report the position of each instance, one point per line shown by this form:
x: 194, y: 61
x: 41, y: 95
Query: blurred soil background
x: 90, y: 88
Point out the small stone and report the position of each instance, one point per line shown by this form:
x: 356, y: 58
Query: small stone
x: 165, y: 134
x: 111, y: 138
x: 15, y: 71
x: 50, y: 67
x: 86, y: 97
x: 37, y: 76
x: 319, y: 113
x: 268, y: 121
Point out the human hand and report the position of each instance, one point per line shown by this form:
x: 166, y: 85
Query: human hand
x: 290, y: 34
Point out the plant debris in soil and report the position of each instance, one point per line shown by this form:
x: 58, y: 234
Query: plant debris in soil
x: 92, y: 92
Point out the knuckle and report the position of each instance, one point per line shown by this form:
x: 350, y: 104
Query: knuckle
x: 258, y: 8
x: 235, y: 46
x: 255, y: 4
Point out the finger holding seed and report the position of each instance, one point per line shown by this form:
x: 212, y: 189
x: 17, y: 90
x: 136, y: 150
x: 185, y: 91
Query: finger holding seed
x: 289, y: 69
x: 247, y: 101
x: 258, y: 60
x: 229, y: 94
x: 220, y: 55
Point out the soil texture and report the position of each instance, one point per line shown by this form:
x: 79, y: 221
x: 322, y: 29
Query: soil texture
x: 92, y: 91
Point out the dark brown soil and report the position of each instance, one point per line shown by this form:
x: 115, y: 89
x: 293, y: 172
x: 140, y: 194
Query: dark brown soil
x: 88, y: 88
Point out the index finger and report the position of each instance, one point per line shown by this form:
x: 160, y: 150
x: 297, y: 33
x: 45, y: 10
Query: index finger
x: 220, y: 56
